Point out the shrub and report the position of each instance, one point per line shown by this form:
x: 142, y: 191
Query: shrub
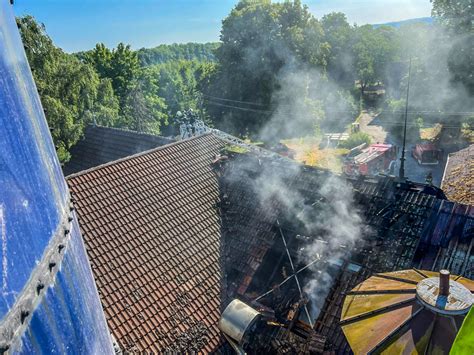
x: 356, y: 139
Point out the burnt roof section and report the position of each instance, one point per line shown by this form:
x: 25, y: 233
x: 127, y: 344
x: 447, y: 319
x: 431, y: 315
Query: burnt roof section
x: 411, y: 225
x: 458, y: 179
x: 174, y: 233
x: 101, y: 145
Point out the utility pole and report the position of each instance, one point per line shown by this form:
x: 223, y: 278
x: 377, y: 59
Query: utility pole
x: 402, y: 159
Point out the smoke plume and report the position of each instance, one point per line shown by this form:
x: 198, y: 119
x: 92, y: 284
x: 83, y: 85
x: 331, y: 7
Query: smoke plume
x: 328, y: 220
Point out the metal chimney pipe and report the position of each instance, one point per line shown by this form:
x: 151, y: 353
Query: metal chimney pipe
x: 444, y: 282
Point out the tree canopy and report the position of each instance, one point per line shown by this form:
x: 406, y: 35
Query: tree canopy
x: 72, y: 93
x: 456, y: 15
x: 276, y: 71
x: 105, y: 86
x: 165, y: 53
x: 260, y: 40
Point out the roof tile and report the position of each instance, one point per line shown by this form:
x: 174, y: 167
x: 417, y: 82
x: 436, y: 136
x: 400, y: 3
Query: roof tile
x: 145, y: 255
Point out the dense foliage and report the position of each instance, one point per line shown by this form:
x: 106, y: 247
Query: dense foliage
x: 113, y: 87
x: 276, y: 72
x: 72, y: 93
x: 136, y: 88
x: 282, y: 67
x: 355, y: 140
x: 165, y: 53
x: 261, y: 41
x: 456, y: 15
x: 442, y: 80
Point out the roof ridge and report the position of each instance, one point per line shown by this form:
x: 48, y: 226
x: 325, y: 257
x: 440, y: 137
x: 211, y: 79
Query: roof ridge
x: 133, y: 156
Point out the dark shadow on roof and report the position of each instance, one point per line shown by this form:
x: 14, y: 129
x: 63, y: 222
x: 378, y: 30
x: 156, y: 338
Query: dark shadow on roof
x: 101, y: 145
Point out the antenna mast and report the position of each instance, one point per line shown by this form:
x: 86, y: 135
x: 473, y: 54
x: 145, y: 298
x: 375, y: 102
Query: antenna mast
x: 402, y: 159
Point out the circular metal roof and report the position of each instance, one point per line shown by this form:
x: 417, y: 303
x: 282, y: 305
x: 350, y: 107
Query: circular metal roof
x: 405, y: 312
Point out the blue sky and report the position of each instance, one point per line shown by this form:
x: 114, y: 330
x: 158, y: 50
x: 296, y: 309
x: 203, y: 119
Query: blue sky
x: 79, y: 24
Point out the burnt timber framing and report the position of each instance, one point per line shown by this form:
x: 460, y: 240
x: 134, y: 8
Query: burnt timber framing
x: 411, y: 225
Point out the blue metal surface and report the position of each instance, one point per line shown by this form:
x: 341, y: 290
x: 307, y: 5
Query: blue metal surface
x: 33, y: 191
x: 33, y: 196
x: 70, y: 319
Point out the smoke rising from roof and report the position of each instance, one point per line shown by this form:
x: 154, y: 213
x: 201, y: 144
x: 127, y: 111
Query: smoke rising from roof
x: 332, y: 223
x: 303, y: 98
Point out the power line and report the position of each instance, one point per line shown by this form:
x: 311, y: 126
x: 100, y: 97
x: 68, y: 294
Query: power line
x: 236, y: 101
x: 213, y: 103
x: 214, y: 98
x: 384, y: 123
x: 466, y: 113
x: 239, y: 108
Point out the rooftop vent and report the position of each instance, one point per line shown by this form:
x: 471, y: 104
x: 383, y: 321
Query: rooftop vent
x: 238, y: 321
x: 445, y: 296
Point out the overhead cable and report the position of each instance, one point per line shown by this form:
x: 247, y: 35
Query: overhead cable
x: 444, y: 113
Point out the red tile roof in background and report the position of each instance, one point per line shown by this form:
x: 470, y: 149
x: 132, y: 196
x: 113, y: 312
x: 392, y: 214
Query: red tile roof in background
x: 152, y: 233
x: 458, y: 179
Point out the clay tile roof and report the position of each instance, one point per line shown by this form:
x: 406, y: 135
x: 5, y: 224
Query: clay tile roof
x: 458, y: 179
x: 151, y: 229
x: 101, y: 145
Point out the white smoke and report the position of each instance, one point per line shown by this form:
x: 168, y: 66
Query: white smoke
x: 330, y: 217
x: 333, y: 218
x: 300, y: 104
x: 432, y: 85
x: 340, y: 224
x: 305, y: 100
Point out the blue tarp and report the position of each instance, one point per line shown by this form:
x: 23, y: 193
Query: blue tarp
x: 33, y: 198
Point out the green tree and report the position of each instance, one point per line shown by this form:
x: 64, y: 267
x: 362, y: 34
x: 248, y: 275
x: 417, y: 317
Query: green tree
x: 441, y: 76
x: 136, y: 89
x: 374, y: 49
x: 260, y: 39
x: 356, y: 139
x: 69, y: 89
x: 106, y: 109
x: 124, y: 71
x: 458, y: 15
x: 178, y: 83
x: 100, y: 58
x: 461, y: 62
x: 338, y: 34
x: 120, y: 65
x: 165, y: 53
x: 144, y: 110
